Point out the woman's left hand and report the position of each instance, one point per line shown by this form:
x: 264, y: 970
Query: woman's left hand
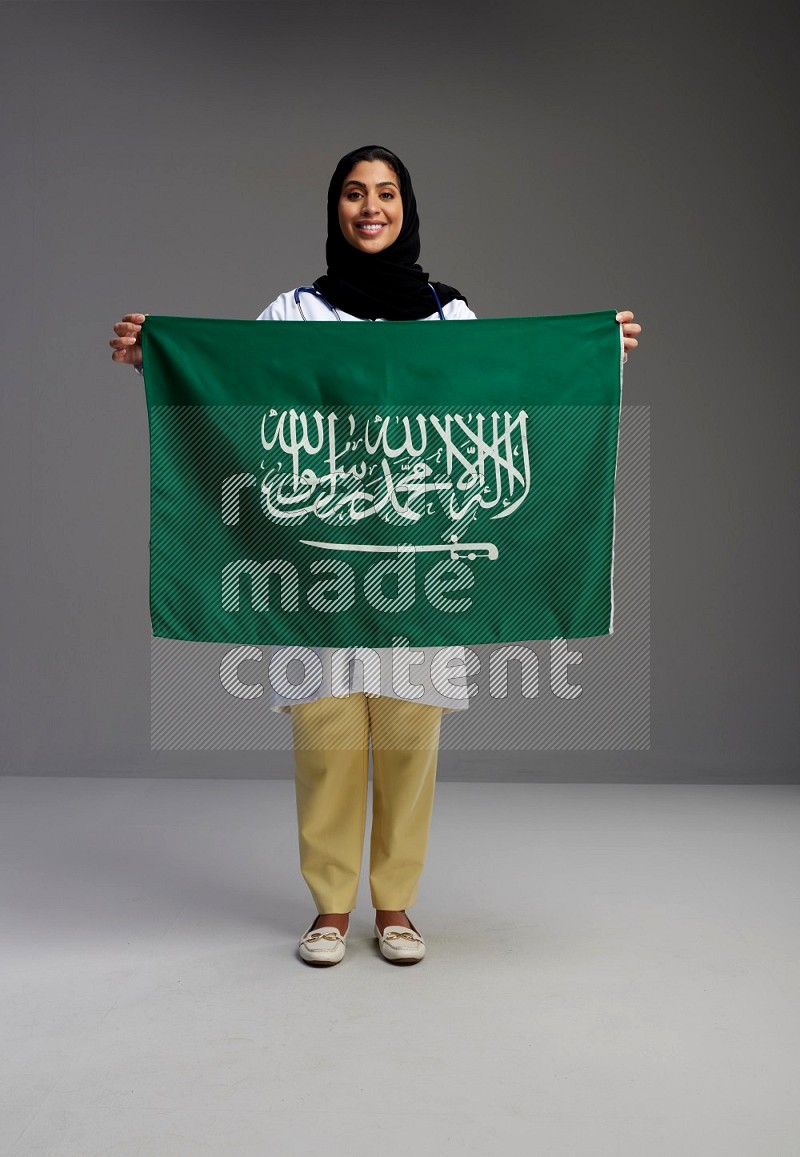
x: 629, y: 328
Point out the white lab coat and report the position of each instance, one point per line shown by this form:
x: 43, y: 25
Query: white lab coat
x: 440, y: 671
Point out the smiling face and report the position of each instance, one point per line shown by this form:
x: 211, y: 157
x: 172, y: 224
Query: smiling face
x: 370, y: 208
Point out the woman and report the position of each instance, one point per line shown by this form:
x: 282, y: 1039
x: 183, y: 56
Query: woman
x: 372, y: 250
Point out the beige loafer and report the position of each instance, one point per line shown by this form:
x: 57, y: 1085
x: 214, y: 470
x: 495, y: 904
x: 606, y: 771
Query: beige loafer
x: 322, y: 946
x: 400, y: 945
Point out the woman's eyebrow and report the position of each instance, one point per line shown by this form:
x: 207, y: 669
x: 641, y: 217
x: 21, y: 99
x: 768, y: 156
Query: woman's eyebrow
x: 361, y: 184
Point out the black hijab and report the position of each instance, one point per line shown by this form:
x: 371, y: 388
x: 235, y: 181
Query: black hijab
x: 388, y: 284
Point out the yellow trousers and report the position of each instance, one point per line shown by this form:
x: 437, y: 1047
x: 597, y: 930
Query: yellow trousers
x: 331, y: 748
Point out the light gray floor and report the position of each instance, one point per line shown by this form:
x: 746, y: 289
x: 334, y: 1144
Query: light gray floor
x: 611, y: 969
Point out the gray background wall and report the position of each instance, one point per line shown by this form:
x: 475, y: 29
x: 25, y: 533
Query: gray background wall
x: 173, y: 158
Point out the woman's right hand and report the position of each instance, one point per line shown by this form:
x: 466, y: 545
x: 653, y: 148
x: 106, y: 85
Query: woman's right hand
x: 127, y: 345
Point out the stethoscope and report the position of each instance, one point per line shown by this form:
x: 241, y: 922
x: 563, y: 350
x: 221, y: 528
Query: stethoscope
x: 313, y: 289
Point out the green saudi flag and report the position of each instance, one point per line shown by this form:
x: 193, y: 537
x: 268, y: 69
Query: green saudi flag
x: 341, y: 485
